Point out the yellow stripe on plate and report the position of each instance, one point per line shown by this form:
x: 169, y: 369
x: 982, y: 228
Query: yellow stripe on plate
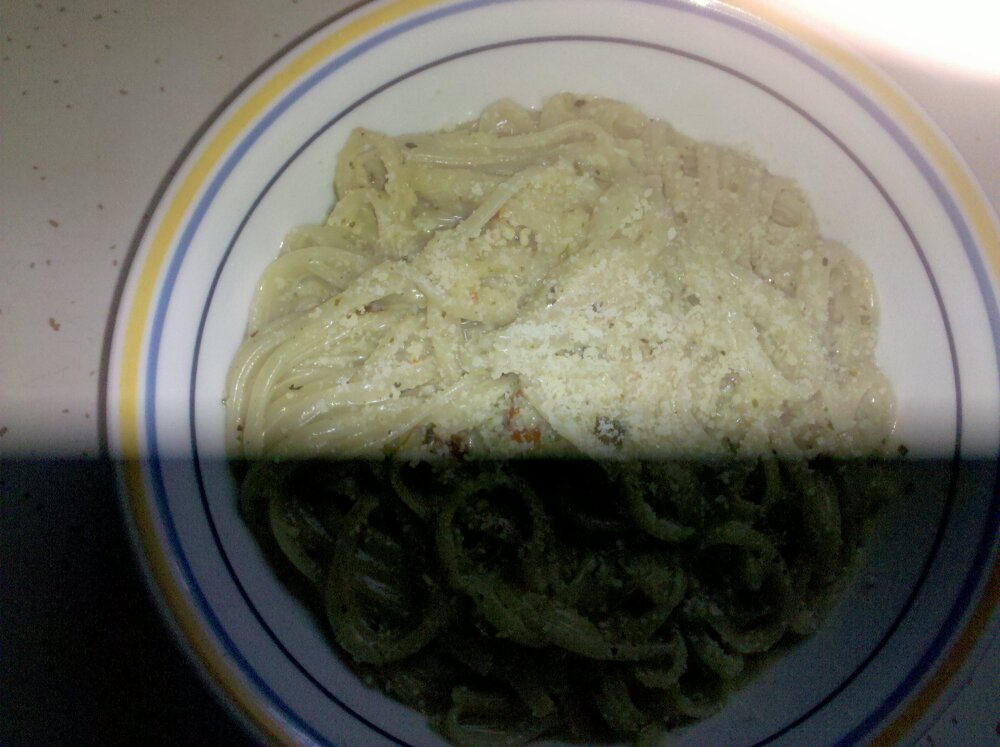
x: 141, y: 309
x: 942, y: 155
x: 946, y: 671
x: 195, y: 180
x: 986, y: 232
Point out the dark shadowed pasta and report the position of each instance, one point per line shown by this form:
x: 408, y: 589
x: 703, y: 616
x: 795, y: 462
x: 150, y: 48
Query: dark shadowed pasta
x: 562, y: 420
x: 578, y: 600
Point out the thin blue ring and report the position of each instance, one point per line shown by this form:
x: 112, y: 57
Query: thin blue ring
x: 170, y: 278
x: 942, y: 522
x: 157, y: 330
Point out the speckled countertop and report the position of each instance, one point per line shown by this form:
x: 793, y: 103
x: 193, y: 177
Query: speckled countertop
x: 97, y: 99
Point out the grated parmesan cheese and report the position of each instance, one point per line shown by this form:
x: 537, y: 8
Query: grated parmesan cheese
x: 626, y: 290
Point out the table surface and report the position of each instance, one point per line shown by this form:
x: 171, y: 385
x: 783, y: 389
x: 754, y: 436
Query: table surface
x: 97, y: 100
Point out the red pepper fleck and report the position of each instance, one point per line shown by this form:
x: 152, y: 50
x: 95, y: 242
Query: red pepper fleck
x: 531, y: 436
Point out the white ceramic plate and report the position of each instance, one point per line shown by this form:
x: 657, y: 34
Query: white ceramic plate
x: 880, y: 178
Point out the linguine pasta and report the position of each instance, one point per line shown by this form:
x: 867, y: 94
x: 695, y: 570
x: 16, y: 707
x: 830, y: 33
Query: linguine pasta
x: 561, y: 417
x: 574, y: 264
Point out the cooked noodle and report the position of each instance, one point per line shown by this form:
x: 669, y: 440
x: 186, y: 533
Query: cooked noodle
x: 575, y: 380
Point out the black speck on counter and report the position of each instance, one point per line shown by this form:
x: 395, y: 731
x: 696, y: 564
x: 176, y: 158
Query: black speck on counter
x: 123, y: 92
x: 3, y: 431
x: 53, y: 222
x: 54, y: 324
